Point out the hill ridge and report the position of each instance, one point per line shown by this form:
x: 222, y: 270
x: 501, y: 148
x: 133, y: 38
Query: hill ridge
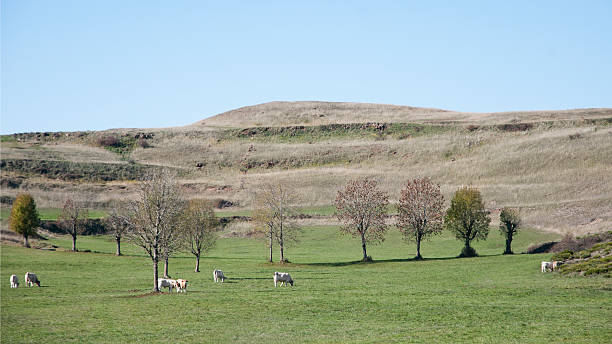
x: 290, y: 113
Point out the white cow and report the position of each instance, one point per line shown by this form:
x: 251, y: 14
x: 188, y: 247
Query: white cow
x: 166, y: 283
x: 218, y: 275
x: 547, y: 266
x: 556, y: 264
x: 14, y: 281
x: 283, y: 278
x: 31, y: 279
x: 181, y: 285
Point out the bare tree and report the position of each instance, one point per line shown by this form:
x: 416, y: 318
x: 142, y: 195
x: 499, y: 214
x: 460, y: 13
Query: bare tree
x: 509, y: 222
x: 154, y: 215
x: 173, y: 242
x: 199, y: 228
x: 73, y: 220
x: 274, y: 211
x: 421, y: 212
x: 264, y: 222
x: 118, y: 223
x: 362, y: 208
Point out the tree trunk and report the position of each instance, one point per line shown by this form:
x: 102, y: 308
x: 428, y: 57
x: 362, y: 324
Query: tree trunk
x: 271, y: 247
x: 363, y: 247
x: 197, y: 269
x: 509, y: 244
x: 118, y: 246
x: 26, y: 243
x: 74, y: 242
x: 155, y: 276
x: 418, y: 242
x: 166, y: 268
x: 281, y: 243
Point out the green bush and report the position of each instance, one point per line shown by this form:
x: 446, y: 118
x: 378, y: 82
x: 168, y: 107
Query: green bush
x: 564, y: 255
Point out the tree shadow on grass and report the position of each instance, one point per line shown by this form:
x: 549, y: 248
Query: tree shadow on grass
x: 249, y: 278
x: 393, y: 260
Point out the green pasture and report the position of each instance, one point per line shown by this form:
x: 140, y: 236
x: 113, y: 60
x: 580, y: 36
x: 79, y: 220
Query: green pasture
x: 96, y: 297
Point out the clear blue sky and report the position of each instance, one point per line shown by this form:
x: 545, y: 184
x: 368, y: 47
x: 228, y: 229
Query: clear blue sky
x: 91, y: 65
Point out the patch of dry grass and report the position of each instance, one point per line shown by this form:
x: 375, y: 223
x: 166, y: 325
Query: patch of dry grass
x: 559, y: 172
x: 320, y: 113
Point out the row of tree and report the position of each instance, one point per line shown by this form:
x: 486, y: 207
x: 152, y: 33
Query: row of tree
x: 362, y: 208
x: 159, y: 221
x: 162, y: 223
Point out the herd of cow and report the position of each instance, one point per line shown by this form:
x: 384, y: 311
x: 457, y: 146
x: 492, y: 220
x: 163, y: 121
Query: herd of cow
x: 30, y: 280
x: 179, y: 284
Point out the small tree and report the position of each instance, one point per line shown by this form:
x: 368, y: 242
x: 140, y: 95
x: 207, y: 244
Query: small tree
x: 421, y: 212
x: 24, y: 217
x: 199, y: 226
x: 509, y: 222
x: 273, y: 212
x: 73, y: 220
x: 467, y: 218
x: 154, y: 214
x: 118, y: 223
x: 173, y: 242
x: 264, y: 222
x: 362, y: 209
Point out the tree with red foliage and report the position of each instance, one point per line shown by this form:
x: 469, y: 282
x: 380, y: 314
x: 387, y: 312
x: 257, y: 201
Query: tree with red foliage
x: 421, y: 213
x: 362, y: 208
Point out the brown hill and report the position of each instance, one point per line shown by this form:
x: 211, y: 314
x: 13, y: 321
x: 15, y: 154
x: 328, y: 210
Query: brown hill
x: 322, y: 113
x: 556, y: 166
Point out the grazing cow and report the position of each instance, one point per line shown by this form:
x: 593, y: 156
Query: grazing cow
x: 30, y: 279
x: 218, y: 275
x: 181, y: 285
x: 166, y: 283
x: 14, y: 281
x: 547, y: 266
x: 283, y: 278
x: 556, y: 264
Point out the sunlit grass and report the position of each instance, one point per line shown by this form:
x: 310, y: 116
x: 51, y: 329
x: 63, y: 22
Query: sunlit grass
x: 94, y: 297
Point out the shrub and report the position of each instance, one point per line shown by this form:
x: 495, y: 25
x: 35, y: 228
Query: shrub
x: 7, y: 199
x: 515, y: 126
x: 567, y: 254
x: 109, y: 141
x: 143, y: 143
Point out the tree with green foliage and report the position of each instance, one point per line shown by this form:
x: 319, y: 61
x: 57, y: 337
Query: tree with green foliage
x: 467, y: 218
x: 24, y: 217
x: 362, y: 208
x: 509, y: 222
x: 198, y: 226
x: 73, y: 220
x: 421, y: 211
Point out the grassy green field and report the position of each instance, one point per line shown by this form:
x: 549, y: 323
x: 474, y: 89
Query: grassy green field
x: 97, y: 297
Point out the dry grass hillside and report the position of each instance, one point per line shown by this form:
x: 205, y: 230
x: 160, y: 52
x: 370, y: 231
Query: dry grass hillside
x: 321, y: 113
x: 556, y: 166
